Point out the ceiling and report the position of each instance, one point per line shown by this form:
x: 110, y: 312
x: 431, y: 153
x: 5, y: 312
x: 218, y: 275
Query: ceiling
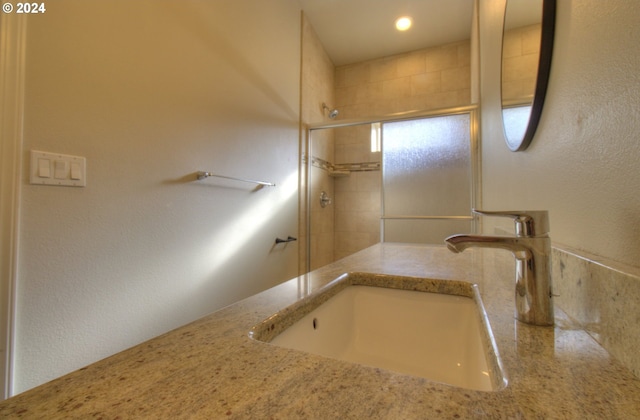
x: 358, y: 30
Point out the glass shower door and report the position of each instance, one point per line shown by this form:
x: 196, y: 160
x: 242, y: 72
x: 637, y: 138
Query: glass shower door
x: 427, y: 178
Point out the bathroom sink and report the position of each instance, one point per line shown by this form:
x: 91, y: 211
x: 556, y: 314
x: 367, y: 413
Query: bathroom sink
x: 435, y: 329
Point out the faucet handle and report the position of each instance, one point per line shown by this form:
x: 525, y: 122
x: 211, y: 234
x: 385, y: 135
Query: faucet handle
x: 528, y: 223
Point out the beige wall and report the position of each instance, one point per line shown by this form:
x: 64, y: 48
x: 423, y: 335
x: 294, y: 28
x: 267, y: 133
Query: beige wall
x: 582, y: 165
x: 150, y: 92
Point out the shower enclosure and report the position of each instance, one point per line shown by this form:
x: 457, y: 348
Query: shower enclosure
x: 406, y: 178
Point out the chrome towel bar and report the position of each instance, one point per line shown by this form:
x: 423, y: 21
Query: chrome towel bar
x: 203, y: 175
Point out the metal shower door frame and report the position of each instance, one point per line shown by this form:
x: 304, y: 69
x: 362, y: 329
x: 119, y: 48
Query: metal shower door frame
x: 476, y: 168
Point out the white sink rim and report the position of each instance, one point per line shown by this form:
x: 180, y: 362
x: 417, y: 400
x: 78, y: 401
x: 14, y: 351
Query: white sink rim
x: 273, y: 326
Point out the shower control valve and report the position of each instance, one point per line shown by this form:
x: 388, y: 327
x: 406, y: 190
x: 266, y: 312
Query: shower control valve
x: 324, y: 199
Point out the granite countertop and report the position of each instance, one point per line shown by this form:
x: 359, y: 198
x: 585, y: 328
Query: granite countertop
x: 212, y: 369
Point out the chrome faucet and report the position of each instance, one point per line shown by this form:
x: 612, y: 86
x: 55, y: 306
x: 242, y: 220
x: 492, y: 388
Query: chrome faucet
x: 531, y: 246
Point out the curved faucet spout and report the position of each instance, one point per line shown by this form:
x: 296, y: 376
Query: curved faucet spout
x: 519, y: 247
x: 532, y: 251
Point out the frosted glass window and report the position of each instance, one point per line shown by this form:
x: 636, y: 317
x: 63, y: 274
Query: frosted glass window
x: 427, y: 166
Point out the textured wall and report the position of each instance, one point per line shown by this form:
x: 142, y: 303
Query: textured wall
x: 582, y: 165
x: 149, y: 92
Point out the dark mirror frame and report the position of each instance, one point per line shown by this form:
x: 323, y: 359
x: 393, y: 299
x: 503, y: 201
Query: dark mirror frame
x: 542, y: 79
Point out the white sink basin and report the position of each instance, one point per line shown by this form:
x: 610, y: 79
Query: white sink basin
x: 435, y: 329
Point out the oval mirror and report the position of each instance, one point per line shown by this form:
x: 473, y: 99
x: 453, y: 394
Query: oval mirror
x: 527, y: 44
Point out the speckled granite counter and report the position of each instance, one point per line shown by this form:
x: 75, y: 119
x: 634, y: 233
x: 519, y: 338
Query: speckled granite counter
x: 212, y: 369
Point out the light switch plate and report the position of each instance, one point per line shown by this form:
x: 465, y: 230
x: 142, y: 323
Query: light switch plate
x: 60, y: 166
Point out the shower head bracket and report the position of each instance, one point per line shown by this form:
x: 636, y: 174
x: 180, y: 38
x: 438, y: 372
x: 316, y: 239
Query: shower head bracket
x: 332, y: 112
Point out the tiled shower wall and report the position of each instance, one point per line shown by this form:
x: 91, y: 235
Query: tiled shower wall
x: 357, y: 205
x: 317, y: 87
x: 426, y: 79
x: 431, y: 78
x: 520, y: 56
x: 421, y: 80
x: 322, y: 218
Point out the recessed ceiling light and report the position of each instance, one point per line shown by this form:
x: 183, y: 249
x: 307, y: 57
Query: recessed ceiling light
x: 403, y: 23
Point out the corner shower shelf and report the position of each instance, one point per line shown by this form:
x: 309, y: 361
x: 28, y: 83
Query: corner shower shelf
x: 339, y: 174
